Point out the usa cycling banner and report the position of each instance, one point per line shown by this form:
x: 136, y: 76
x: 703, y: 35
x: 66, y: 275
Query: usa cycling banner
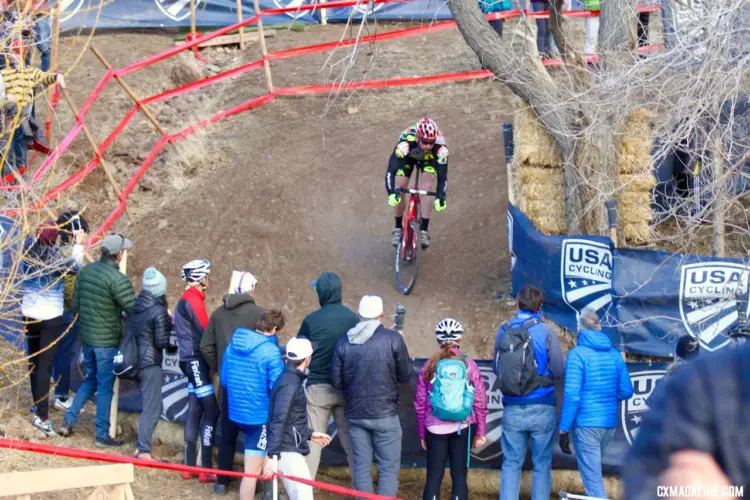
x: 573, y: 272
x: 171, y: 13
x: 646, y: 299
x: 643, y: 376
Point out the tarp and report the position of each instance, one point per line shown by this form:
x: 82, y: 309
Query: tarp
x: 643, y: 375
x: 173, y: 13
x: 646, y: 299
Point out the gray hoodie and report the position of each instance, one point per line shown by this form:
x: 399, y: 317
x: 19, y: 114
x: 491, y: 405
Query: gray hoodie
x: 363, y: 331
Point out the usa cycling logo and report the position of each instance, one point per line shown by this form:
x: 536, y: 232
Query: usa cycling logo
x: 492, y: 449
x: 174, y: 389
x: 708, y: 301
x: 633, y: 409
x: 586, y: 274
x: 177, y: 10
x: 69, y: 8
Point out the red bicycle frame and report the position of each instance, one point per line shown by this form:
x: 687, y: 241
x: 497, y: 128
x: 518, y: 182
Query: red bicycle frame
x: 412, y: 214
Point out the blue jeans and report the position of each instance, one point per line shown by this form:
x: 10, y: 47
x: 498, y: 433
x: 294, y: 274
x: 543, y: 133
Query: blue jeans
x: 100, y: 380
x: 521, y: 423
x: 545, y: 43
x: 43, y: 41
x: 20, y: 148
x: 590, y: 443
x: 382, y: 437
x: 65, y: 355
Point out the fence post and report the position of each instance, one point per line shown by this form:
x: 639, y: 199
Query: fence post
x: 323, y: 14
x: 508, y: 147
x: 242, y: 28
x: 275, y: 474
x: 54, y: 51
x: 128, y: 91
x: 92, y: 142
x: 262, y: 40
x: 116, y: 390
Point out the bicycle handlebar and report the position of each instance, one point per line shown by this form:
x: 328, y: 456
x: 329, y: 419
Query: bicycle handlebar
x: 416, y: 191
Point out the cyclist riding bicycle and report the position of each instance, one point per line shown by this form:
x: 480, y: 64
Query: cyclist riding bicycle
x: 421, y: 146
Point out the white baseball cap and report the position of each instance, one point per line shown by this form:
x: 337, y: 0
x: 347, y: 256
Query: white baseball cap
x: 370, y: 307
x: 298, y: 349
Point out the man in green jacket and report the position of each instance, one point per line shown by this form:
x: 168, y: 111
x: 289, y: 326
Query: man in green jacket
x: 102, y: 297
x: 324, y: 328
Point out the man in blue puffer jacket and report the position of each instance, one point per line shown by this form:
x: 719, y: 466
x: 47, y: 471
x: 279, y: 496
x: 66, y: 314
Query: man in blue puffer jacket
x: 251, y: 365
x: 596, y: 380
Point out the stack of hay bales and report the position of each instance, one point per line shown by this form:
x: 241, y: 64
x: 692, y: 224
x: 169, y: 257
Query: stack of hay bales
x: 636, y: 178
x: 538, y: 174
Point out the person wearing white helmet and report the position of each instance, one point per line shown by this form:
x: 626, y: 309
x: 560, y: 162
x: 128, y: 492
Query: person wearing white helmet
x: 190, y: 320
x: 445, y: 429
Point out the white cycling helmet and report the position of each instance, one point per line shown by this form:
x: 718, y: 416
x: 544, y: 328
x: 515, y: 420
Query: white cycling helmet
x: 449, y: 331
x: 194, y: 271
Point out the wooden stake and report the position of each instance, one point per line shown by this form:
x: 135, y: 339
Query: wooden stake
x: 128, y: 91
x: 192, y: 19
x: 92, y: 142
x: 242, y: 28
x: 323, y: 14
x: 262, y: 40
x: 116, y: 392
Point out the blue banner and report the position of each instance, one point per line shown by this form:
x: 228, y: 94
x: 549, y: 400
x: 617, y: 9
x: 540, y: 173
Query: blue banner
x: 77, y: 14
x: 646, y: 299
x: 11, y: 326
x: 573, y: 272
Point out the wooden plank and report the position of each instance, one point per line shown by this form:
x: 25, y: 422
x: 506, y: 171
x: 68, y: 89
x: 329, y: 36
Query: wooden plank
x: 43, y: 481
x: 231, y: 39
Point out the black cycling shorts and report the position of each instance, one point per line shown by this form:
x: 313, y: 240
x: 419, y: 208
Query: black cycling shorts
x: 199, y: 377
x: 407, y: 170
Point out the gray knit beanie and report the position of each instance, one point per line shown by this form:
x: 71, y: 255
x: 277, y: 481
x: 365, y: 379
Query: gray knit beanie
x: 154, y: 282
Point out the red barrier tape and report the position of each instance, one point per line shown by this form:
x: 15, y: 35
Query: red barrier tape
x: 48, y: 449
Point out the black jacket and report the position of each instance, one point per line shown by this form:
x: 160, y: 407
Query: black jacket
x: 368, y: 364
x: 287, y: 417
x: 704, y: 406
x: 152, y: 326
x: 238, y: 311
x: 326, y: 326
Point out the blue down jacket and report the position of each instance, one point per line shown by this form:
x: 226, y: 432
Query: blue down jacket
x: 251, y: 365
x: 596, y: 380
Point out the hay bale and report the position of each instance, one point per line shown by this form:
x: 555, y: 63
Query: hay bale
x: 637, y: 214
x: 637, y: 234
x: 533, y: 145
x: 542, y: 198
x: 644, y: 182
x: 631, y: 199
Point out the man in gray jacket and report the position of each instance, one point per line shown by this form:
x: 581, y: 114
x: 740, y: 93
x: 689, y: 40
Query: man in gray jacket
x: 369, y: 363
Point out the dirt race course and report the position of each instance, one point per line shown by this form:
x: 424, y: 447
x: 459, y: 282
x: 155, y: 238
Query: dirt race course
x: 296, y: 188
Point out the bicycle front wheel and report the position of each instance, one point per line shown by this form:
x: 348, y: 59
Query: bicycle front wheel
x: 407, y: 259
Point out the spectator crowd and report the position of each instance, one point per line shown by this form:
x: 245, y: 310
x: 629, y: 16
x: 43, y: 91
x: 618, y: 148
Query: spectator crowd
x: 340, y: 364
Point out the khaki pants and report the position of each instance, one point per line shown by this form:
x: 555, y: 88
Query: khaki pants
x: 324, y: 400
x: 293, y: 464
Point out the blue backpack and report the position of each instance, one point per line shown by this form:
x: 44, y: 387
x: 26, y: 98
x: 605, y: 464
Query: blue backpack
x: 451, y: 397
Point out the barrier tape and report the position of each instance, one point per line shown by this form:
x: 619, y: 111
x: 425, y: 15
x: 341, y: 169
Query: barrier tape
x: 48, y: 449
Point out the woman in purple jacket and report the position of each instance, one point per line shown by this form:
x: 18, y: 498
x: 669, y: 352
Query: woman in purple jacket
x: 443, y: 440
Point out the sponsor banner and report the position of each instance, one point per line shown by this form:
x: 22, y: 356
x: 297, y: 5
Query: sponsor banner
x: 643, y: 376
x: 573, y: 272
x: 77, y: 14
x: 646, y: 299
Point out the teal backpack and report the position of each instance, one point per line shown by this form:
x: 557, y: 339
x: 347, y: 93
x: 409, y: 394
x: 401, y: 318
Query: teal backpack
x: 452, y: 397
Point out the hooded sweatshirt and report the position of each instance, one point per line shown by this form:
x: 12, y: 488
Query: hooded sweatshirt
x: 238, y: 311
x: 596, y: 380
x: 251, y: 365
x: 326, y: 326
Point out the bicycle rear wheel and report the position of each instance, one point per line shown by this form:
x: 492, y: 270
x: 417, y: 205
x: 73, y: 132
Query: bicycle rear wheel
x: 407, y: 259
